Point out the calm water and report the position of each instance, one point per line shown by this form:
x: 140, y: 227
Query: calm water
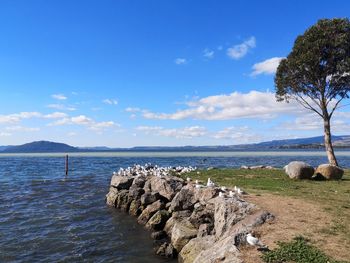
x: 47, y: 218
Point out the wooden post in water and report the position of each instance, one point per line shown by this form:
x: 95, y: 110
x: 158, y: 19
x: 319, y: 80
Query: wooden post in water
x: 66, y: 164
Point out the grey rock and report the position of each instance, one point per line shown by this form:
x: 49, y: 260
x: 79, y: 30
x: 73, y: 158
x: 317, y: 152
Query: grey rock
x: 299, y: 170
x: 149, y: 211
x: 121, y: 182
x: 158, y: 220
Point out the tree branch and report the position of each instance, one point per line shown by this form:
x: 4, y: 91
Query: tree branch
x: 335, y: 107
x: 306, y: 105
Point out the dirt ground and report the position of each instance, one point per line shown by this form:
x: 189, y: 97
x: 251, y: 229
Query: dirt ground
x: 295, y: 217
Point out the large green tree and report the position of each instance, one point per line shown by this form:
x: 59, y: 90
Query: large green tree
x: 316, y: 73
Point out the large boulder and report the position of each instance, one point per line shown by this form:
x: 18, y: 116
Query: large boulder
x: 194, y: 247
x: 182, y: 232
x: 149, y: 198
x: 139, y: 181
x: 123, y: 200
x: 136, y: 192
x: 299, y: 170
x: 184, y: 199
x: 176, y: 217
x: 166, y: 186
x: 135, y: 208
x: 149, y: 211
x: 158, y: 220
x: 121, y: 182
x: 223, y: 250
x: 228, y: 212
x: 329, y: 172
x: 203, y: 195
x: 112, y: 196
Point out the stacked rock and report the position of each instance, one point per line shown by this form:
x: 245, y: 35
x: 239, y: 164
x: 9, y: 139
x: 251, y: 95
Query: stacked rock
x: 194, y: 223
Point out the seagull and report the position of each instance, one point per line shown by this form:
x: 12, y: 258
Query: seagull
x: 188, y: 179
x: 221, y: 194
x: 210, y: 183
x: 198, y: 186
x: 223, y: 188
x: 253, y: 241
x: 239, y: 191
x: 197, y: 182
x: 231, y: 194
x: 235, y: 188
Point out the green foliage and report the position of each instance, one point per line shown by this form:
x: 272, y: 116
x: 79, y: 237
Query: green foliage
x: 318, y: 66
x: 298, y: 251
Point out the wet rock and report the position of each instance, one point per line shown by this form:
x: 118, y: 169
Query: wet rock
x: 329, y: 172
x: 158, y: 220
x: 123, y: 201
x: 182, y: 232
x: 149, y: 211
x: 121, y: 182
x: 158, y: 235
x: 166, y: 250
x: 299, y: 170
x: 112, y: 196
x: 135, y: 207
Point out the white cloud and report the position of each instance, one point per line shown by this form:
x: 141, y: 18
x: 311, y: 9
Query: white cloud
x: 83, y: 120
x: 22, y: 129
x: 268, y: 66
x: 5, y: 134
x: 132, y: 109
x: 180, y: 61
x: 179, y: 133
x: 110, y: 101
x: 61, y: 107
x: 254, y: 104
x: 71, y: 134
x: 238, y: 135
x: 59, y: 96
x: 17, y: 117
x: 207, y: 53
x: 55, y: 115
x: 240, y: 50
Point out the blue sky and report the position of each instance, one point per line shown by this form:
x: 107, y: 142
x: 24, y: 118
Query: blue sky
x: 127, y: 73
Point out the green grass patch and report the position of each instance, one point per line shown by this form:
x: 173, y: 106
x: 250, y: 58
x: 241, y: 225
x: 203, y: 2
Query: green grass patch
x: 299, y: 251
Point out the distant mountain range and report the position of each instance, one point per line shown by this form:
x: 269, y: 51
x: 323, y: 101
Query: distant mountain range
x: 302, y: 143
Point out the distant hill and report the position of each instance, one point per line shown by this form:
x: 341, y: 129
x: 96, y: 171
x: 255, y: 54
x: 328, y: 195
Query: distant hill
x: 41, y: 147
x: 301, y: 143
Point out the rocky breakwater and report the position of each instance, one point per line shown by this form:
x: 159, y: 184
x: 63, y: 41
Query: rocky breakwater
x: 189, y: 220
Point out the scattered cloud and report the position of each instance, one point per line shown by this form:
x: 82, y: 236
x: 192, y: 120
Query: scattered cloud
x: 207, y: 53
x: 85, y: 121
x: 268, y: 66
x: 71, y: 134
x: 254, y: 104
x: 180, y: 61
x: 61, y: 107
x: 240, y: 50
x: 220, y: 48
x: 22, y: 129
x: 238, y: 135
x: 17, y: 117
x: 59, y: 96
x: 5, y: 134
x: 132, y: 109
x: 110, y: 101
x: 55, y: 115
x: 179, y: 133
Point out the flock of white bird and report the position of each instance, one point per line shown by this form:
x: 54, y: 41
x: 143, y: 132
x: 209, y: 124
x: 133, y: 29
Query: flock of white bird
x: 149, y: 170
x: 155, y: 170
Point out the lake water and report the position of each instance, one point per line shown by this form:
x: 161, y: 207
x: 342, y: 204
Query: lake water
x: 47, y: 217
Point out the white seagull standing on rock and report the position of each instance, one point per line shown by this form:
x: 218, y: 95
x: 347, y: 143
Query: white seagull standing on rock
x: 253, y: 241
x: 210, y: 183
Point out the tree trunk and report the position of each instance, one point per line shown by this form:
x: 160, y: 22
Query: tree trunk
x: 328, y: 141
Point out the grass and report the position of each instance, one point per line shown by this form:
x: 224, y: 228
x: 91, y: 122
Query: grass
x: 298, y: 250
x: 332, y: 196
